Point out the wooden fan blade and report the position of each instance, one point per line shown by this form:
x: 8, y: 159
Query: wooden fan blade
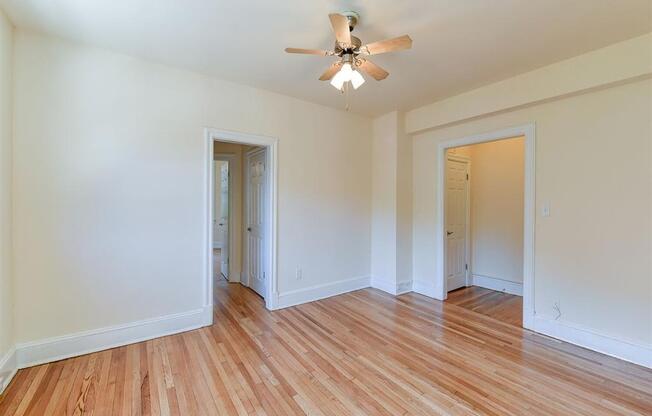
x: 388, y: 45
x: 341, y: 28
x: 372, y: 69
x: 330, y: 72
x: 308, y: 51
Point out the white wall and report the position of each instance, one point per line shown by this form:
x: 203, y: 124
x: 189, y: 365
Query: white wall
x: 384, y: 193
x: 391, y: 237
x: 593, y: 165
x: 6, y: 295
x: 497, y: 189
x: 109, y: 180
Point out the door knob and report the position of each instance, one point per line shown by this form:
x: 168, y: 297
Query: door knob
x: 249, y: 229
x: 449, y: 232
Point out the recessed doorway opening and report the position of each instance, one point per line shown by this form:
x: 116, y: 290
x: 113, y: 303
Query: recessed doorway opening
x: 486, y: 224
x: 241, y: 214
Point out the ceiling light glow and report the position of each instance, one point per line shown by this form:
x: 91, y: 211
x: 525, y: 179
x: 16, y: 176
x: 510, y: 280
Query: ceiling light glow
x: 347, y: 74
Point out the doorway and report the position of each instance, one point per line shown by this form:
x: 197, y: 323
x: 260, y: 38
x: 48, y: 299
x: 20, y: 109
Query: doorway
x: 241, y: 215
x: 486, y: 224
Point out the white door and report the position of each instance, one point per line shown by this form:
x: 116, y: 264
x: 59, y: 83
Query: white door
x: 223, y: 221
x: 457, y: 183
x: 255, y: 220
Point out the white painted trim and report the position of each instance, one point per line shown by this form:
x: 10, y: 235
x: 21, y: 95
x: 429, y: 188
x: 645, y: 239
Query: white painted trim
x: 625, y: 350
x: 310, y: 294
x: 212, y: 134
x: 80, y: 343
x: 500, y: 285
x: 392, y: 288
x: 217, y: 244
x: 528, y: 131
x: 8, y: 368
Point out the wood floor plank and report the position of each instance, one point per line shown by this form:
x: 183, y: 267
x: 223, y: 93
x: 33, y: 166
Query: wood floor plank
x: 361, y: 353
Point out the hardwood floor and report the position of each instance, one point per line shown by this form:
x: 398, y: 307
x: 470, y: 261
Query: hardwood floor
x: 498, y: 305
x: 361, y: 353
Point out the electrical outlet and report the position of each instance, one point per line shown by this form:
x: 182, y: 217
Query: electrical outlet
x: 299, y: 273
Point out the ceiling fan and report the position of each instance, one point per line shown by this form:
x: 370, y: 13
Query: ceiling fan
x: 352, y: 53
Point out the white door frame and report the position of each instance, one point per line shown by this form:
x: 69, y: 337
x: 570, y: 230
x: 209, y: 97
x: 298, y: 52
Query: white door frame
x: 210, y: 136
x: 228, y: 157
x: 528, y: 131
x: 467, y: 217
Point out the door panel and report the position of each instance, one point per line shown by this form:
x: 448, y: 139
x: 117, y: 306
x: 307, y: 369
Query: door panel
x: 456, y: 226
x: 256, y: 179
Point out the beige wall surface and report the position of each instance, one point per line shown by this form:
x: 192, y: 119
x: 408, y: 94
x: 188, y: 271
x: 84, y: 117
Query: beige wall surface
x: 6, y: 295
x: 593, y: 254
x: 110, y: 227
x: 497, y: 189
x: 384, y: 192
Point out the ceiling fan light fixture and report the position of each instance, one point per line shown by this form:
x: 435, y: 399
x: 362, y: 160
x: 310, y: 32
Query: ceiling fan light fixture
x: 342, y: 76
x: 352, y: 54
x: 356, y: 79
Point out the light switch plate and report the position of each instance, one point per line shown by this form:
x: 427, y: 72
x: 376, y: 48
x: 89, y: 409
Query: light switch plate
x: 545, y: 211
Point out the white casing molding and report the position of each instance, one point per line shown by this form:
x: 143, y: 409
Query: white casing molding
x: 80, y: 343
x: 310, y: 294
x: 8, y: 368
x: 625, y: 350
x: 493, y: 283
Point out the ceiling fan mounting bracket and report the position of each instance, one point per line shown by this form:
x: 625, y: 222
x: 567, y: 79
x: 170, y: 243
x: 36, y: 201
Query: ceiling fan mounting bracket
x: 352, y: 17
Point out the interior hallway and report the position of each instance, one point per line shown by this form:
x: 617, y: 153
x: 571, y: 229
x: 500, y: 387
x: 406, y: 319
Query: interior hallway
x: 364, y: 352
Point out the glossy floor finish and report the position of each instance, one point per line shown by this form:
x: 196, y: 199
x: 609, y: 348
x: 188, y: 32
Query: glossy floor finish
x: 498, y: 305
x: 361, y: 353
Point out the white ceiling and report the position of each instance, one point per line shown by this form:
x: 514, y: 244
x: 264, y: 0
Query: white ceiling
x: 458, y: 44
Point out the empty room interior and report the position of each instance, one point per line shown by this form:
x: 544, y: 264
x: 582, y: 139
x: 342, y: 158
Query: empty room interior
x: 217, y: 207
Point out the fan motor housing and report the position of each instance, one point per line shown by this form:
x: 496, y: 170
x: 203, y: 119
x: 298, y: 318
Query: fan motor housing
x: 354, y: 50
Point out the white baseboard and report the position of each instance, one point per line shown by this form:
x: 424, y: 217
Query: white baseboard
x: 8, y: 368
x: 310, y: 294
x: 424, y: 288
x: 58, y: 348
x: 624, y: 350
x: 390, y: 287
x: 500, y: 285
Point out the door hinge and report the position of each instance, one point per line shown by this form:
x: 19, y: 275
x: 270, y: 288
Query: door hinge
x: 467, y: 176
x: 466, y: 267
